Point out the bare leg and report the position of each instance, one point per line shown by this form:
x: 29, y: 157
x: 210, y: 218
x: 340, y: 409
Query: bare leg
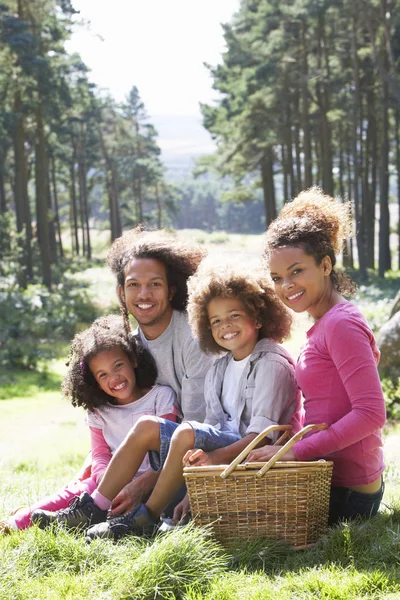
x: 171, y: 478
x: 144, y: 436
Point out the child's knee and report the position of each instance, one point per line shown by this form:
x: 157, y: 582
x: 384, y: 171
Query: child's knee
x: 183, y: 437
x: 146, y: 428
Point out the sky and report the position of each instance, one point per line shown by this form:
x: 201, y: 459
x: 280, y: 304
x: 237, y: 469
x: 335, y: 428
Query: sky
x: 157, y: 45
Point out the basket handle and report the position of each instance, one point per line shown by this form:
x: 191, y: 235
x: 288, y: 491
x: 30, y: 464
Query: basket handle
x: 236, y: 461
x: 288, y: 445
x: 281, y: 452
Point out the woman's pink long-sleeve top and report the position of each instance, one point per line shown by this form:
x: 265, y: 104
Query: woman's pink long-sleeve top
x: 337, y: 374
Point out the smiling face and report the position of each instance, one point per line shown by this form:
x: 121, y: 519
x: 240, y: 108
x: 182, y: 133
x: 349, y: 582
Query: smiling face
x: 300, y: 283
x: 115, y: 374
x: 231, y: 327
x: 147, y: 295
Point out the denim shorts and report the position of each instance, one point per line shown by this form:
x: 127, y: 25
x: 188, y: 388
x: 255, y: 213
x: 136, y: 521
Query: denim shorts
x: 346, y: 503
x: 206, y: 437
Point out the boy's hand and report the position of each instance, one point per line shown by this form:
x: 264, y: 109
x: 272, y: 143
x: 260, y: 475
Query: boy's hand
x: 181, y: 511
x: 197, y: 458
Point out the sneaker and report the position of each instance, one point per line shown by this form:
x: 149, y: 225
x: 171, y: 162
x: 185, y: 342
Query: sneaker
x: 43, y: 518
x: 82, y: 512
x: 137, y: 522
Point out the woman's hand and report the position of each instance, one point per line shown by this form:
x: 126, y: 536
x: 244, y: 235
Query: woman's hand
x: 182, y: 511
x: 197, y: 458
x: 266, y: 452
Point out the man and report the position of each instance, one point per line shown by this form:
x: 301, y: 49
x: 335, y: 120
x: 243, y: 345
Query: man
x: 152, y: 269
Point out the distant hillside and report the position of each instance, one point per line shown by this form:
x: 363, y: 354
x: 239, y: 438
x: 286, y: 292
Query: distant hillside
x: 181, y: 139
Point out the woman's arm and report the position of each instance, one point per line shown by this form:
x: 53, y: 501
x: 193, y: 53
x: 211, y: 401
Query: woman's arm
x: 349, y: 346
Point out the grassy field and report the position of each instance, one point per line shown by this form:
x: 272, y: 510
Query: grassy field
x: 43, y: 442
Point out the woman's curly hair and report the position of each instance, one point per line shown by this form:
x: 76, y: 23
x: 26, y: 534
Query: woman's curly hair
x: 254, y: 290
x: 105, y: 333
x: 181, y: 259
x: 318, y: 224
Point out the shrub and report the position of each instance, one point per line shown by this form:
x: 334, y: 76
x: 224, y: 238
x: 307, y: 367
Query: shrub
x: 32, y: 317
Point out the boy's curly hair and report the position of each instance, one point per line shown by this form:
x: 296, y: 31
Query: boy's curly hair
x: 181, y: 259
x: 254, y: 290
x: 105, y: 333
x: 317, y: 223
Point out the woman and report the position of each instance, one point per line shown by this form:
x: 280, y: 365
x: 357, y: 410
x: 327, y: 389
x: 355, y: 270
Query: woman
x: 337, y: 366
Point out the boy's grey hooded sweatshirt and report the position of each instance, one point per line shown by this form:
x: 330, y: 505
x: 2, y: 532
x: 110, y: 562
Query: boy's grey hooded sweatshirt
x: 267, y: 393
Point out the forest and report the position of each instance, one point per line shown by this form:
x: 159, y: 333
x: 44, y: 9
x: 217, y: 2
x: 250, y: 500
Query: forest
x: 309, y: 95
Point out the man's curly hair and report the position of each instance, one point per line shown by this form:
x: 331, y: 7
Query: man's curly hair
x: 318, y: 224
x: 254, y: 290
x: 105, y: 333
x: 181, y: 259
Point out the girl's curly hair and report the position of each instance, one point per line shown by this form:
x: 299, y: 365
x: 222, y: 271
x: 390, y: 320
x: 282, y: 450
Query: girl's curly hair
x: 105, y: 333
x: 318, y: 224
x: 254, y: 290
x: 181, y: 259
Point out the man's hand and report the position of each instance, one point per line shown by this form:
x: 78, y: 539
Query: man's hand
x: 129, y: 497
x: 182, y: 511
x: 134, y: 492
x: 197, y: 458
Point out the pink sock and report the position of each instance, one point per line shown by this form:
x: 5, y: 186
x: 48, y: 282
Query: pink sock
x: 22, y: 518
x: 101, y: 501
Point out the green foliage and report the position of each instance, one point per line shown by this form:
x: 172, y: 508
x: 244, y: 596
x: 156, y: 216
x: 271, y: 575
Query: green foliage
x: 391, y: 391
x: 35, y: 316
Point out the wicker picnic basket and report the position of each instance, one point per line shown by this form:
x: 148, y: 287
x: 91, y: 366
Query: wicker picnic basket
x: 281, y: 500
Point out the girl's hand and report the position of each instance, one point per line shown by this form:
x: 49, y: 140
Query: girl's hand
x: 266, y: 452
x: 129, y: 497
x: 197, y: 458
x: 182, y: 510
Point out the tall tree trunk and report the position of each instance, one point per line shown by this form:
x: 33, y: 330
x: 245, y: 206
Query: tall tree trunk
x: 42, y: 196
x: 297, y: 145
x: 56, y: 210
x: 159, y: 207
x: 323, y: 102
x: 398, y: 178
x: 286, y: 196
x: 385, y: 261
x: 348, y: 260
x: 74, y: 207
x: 305, y: 110
x: 360, y: 224
x: 112, y: 191
x: 23, y: 212
x: 84, y: 199
x: 3, y: 201
x: 267, y: 177
x: 369, y: 193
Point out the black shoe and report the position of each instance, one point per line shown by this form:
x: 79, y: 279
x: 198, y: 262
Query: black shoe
x: 82, y: 512
x: 137, y: 522
x: 43, y: 518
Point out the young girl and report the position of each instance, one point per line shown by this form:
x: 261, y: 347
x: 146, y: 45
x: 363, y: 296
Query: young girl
x: 249, y: 388
x: 113, y: 378
x: 336, y: 369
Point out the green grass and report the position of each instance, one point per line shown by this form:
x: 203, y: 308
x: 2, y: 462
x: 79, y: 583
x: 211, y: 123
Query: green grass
x: 43, y: 441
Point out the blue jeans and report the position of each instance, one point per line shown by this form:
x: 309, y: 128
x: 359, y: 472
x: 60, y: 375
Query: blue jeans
x: 206, y: 438
x: 346, y: 503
